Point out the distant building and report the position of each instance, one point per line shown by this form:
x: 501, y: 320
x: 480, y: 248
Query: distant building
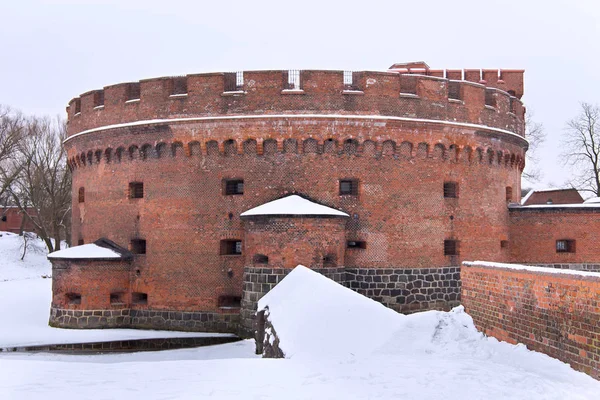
x: 552, y: 196
x: 13, y: 220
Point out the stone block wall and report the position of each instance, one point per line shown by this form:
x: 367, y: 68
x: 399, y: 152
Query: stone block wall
x: 550, y: 311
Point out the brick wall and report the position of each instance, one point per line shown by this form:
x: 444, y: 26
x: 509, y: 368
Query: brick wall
x: 552, y: 312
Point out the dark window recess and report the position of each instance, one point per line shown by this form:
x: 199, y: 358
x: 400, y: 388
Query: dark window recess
x: 408, y: 84
x: 230, y: 301
x: 349, y: 187
x: 260, y: 259
x: 504, y: 244
x: 231, y: 247
x: 356, y: 244
x: 117, y: 298
x: 133, y: 91
x: 139, y: 298
x: 454, y: 90
x: 73, y: 298
x: 81, y: 195
x: 565, y: 246
x: 80, y: 242
x: 234, y: 81
x: 512, y: 105
x: 490, y: 99
x: 509, y: 195
x: 99, y: 98
x: 136, y: 190
x: 329, y: 260
x: 77, y: 106
x: 234, y: 186
x: 451, y: 190
x: 450, y: 247
x: 4, y: 218
x: 179, y: 85
x: 138, y: 246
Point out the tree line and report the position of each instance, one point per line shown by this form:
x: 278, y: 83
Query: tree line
x: 34, y: 175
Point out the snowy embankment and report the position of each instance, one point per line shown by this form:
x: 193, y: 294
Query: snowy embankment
x: 360, y: 350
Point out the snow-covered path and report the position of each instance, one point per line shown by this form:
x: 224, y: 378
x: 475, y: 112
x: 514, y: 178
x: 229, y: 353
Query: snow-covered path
x: 429, y: 355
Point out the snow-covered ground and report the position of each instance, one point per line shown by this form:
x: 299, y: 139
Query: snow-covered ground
x: 428, y: 355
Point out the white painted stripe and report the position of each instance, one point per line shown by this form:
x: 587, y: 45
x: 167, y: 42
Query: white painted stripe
x: 295, y: 116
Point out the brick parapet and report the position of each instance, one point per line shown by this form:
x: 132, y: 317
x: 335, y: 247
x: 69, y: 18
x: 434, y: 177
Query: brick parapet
x: 322, y: 92
x: 551, y: 312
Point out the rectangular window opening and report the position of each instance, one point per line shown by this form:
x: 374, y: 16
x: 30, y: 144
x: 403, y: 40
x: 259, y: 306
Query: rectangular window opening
x: 179, y: 85
x: 348, y: 187
x: 490, y: 98
x: 230, y: 301
x: 231, y: 247
x: 81, y: 194
x: 454, y: 90
x: 451, y: 190
x: 139, y: 298
x: 80, y: 242
x: 234, y: 81
x: 450, y: 247
x: 408, y: 84
x: 356, y: 244
x: 504, y: 244
x: 138, y: 246
x: 350, y: 81
x: 133, y: 91
x: 509, y: 194
x: 99, y: 98
x: 565, y: 246
x: 234, y: 187
x: 77, y: 106
x: 293, y: 80
x: 136, y: 190
x: 118, y: 298
x: 73, y: 298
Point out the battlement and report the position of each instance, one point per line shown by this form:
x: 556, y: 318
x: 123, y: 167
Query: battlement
x: 483, y: 97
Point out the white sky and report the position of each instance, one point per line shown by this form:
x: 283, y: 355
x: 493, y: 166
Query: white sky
x: 54, y: 50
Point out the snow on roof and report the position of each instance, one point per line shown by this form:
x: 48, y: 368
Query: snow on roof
x: 592, y: 200
x: 530, y: 268
x: 531, y: 192
x: 579, y: 205
x: 85, y: 251
x: 314, y: 316
x: 293, y: 205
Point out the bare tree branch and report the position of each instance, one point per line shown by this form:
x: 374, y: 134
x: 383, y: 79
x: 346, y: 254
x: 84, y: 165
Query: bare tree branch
x: 534, y: 132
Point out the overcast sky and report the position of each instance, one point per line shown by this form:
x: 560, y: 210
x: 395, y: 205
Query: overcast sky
x: 54, y: 50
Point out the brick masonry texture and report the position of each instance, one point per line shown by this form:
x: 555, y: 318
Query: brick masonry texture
x: 555, y: 314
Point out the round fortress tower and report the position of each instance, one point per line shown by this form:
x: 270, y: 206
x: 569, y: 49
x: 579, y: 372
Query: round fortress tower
x: 421, y: 163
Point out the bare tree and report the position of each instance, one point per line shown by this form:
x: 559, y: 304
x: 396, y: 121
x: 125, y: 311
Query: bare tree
x: 582, y: 149
x: 12, y: 130
x: 42, y: 189
x: 534, y: 132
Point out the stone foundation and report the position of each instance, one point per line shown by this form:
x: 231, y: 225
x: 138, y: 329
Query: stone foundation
x: 144, y: 319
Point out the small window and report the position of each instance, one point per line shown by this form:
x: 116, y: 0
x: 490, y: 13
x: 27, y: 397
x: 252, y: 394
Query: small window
x: 509, y: 195
x: 408, y: 84
x: 73, y: 298
x: 260, y: 259
x: 80, y: 242
x: 356, y: 244
x: 231, y: 247
x: 350, y: 81
x: 136, y: 190
x: 234, y: 81
x: 565, y: 246
x: 234, y: 186
x: 81, y: 194
x: 118, y: 298
x: 230, y: 301
x: 490, y: 98
x: 451, y: 247
x: 504, y: 244
x: 138, y: 246
x: 77, y: 106
x: 133, y: 91
x: 4, y: 218
x: 329, y: 261
x: 139, y: 298
x: 348, y: 187
x: 512, y: 106
x: 99, y: 98
x: 179, y: 85
x: 454, y: 90
x: 293, y: 80
x: 451, y: 190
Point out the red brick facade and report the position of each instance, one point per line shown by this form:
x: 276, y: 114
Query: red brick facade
x: 401, y: 137
x: 556, y: 314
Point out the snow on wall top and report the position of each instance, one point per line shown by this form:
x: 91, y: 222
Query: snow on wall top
x: 317, y: 317
x: 85, y: 251
x: 293, y: 205
x: 530, y: 268
x: 592, y: 200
